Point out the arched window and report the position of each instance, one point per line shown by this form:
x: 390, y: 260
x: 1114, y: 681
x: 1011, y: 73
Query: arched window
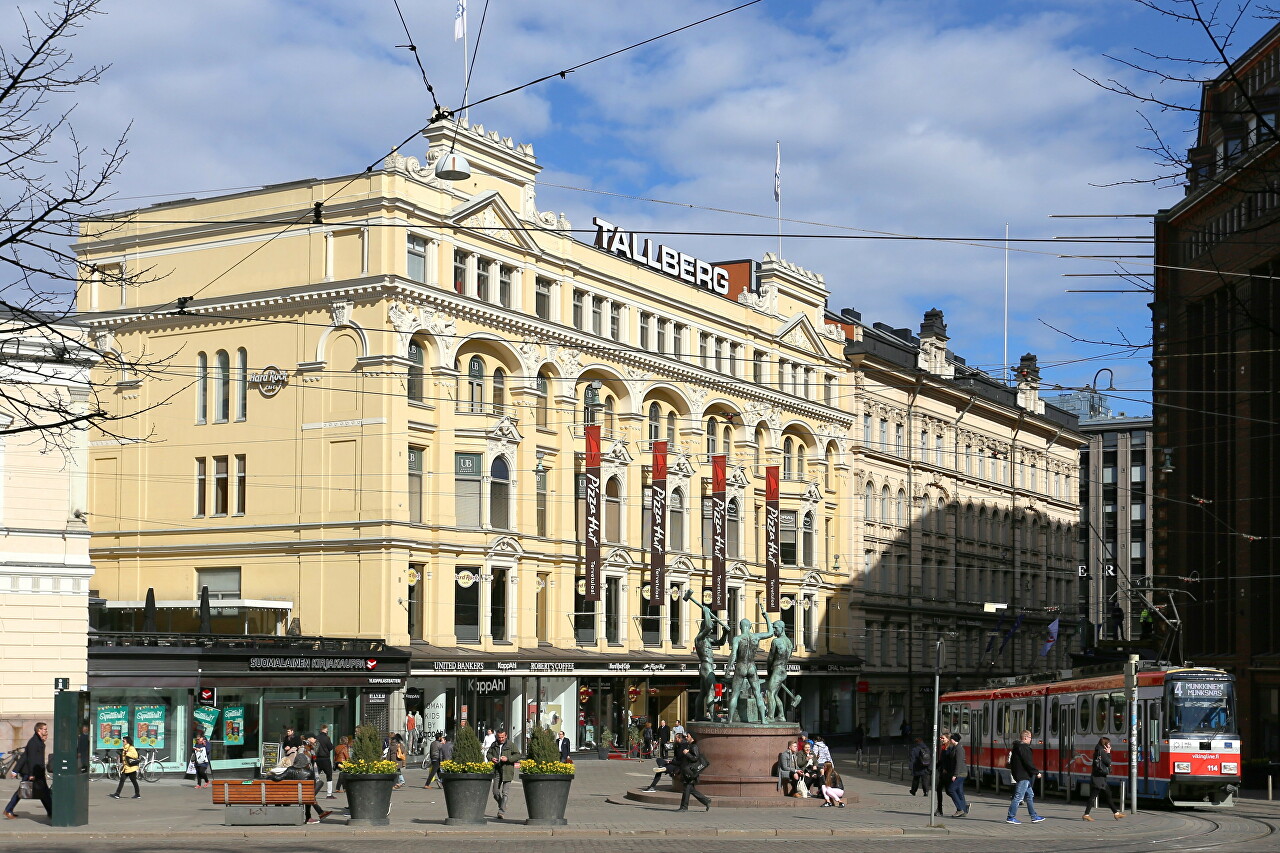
x: 759, y: 448
x: 500, y: 494
x: 884, y: 505
x: 733, y: 528
x: 676, y: 521
x: 499, y: 391
x: 713, y: 427
x: 475, y: 384
x: 544, y: 399
x: 590, y: 403
x: 869, y: 502
x: 222, y: 388
x: 829, y: 470
x: 242, y: 383
x: 417, y: 364
x: 202, y: 388
x: 655, y: 421
x: 926, y: 514
x: 802, y: 467
x: 806, y: 540
x: 609, y: 413
x: 788, y: 462
x: 727, y: 440
x: 671, y: 428
x: 900, y: 508
x: 613, y: 510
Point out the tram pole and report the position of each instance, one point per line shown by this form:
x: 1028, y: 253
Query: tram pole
x: 933, y: 795
x: 1131, y: 687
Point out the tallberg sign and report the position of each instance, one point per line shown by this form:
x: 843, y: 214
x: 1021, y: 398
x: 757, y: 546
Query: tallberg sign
x: 664, y: 259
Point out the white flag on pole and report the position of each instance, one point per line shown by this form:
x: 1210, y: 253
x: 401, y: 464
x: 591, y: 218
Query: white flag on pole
x: 777, y: 175
x: 460, y: 20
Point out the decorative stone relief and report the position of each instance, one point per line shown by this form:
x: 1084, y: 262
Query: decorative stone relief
x: 341, y: 310
x: 405, y: 321
x: 569, y: 359
x: 812, y: 494
x: 615, y: 461
x: 765, y: 301
x: 833, y: 331
x: 503, y: 437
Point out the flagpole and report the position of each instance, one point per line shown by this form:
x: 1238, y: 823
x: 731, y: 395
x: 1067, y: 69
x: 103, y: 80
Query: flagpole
x: 777, y: 193
x: 1004, y: 378
x: 465, y: 74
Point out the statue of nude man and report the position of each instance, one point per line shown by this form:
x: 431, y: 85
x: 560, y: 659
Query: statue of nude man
x: 705, y: 643
x: 742, y: 657
x: 779, y: 656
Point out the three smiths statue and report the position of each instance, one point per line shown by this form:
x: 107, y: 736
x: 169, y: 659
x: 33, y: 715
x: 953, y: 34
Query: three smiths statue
x: 704, y: 645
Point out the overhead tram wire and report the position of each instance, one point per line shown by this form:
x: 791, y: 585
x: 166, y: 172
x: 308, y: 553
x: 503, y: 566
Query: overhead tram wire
x: 413, y: 49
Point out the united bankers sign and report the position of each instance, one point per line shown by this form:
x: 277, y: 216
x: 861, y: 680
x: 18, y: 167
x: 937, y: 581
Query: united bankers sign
x: 664, y: 259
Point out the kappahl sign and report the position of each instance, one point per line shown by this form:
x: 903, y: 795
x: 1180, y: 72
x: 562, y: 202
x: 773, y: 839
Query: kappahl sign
x: 664, y: 259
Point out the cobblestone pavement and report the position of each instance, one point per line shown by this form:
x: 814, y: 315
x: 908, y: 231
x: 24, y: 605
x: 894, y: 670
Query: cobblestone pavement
x: 173, y: 816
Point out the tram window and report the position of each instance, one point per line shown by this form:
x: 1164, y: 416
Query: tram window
x: 1036, y: 711
x: 1117, y: 712
x: 1153, y: 721
x: 1053, y: 718
x: 964, y: 721
x: 986, y: 721
x: 1083, y: 715
x: 1000, y: 712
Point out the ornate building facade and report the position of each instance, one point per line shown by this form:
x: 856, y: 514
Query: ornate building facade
x: 375, y: 427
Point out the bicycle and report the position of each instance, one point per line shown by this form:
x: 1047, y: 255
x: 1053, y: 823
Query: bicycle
x: 9, y: 760
x: 150, y: 767
x: 103, y: 767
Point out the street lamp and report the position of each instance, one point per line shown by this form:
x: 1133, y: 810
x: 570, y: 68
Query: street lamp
x: 937, y: 730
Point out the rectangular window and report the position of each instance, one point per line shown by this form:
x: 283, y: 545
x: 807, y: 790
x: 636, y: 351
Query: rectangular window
x: 466, y: 604
x: 703, y: 358
x: 414, y: 599
x: 221, y: 485
x: 899, y: 440
x: 416, y: 262
x: 662, y: 336
x: 415, y: 485
x: 459, y: 271
x: 674, y: 612
x: 504, y: 286
x: 466, y: 488
x: 482, y: 280
x: 866, y: 430
x: 540, y: 478
x: 829, y: 391
x: 223, y: 583
x: 584, y: 618
x: 597, y: 315
x: 202, y: 493
x: 645, y: 320
x: 615, y: 321
x: 757, y: 368
x: 542, y: 608
x: 578, y: 298
x: 884, y: 435
x: 612, y: 611
x: 677, y: 340
x: 242, y: 483
x: 719, y: 346
x: 542, y: 299
x: 498, y: 606
x: 787, y: 537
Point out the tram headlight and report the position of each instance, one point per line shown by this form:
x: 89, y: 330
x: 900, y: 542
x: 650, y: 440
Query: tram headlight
x: 1182, y: 767
x: 1231, y: 768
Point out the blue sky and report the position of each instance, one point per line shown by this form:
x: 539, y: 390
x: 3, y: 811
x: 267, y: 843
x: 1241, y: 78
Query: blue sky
x: 914, y: 118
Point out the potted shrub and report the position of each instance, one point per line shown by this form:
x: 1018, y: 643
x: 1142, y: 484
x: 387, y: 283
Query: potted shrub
x: 546, y: 780
x: 606, y: 742
x: 467, y: 778
x: 368, y: 779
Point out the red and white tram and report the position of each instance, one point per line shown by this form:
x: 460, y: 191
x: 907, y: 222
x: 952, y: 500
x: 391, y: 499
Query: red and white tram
x: 1188, y: 741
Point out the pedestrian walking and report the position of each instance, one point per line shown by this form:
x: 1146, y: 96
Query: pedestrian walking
x: 1022, y: 767
x: 324, y: 760
x: 921, y: 768
x: 952, y: 772
x: 1100, y: 770
x: 433, y: 759
x: 562, y: 744
x: 200, y: 760
x: 30, y: 771
x: 677, y: 729
x: 646, y: 741
x: 832, y: 787
x: 506, y: 760
x: 691, y: 763
x: 945, y: 766
x: 128, y: 769
x: 341, y: 755
x: 664, y: 738
x: 489, y: 738
x: 859, y: 738
x: 396, y: 752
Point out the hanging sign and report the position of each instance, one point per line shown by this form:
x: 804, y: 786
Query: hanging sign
x: 592, y: 534
x: 772, y: 561
x: 658, y: 525
x: 207, y: 720
x: 719, y: 574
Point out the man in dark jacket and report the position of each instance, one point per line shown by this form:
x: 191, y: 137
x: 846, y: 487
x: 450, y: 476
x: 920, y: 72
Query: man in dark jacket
x: 505, y: 759
x: 921, y: 767
x: 955, y: 770
x: 562, y: 744
x: 324, y: 759
x: 1022, y: 766
x: 690, y: 764
x: 664, y: 738
x: 30, y: 768
x: 434, y: 751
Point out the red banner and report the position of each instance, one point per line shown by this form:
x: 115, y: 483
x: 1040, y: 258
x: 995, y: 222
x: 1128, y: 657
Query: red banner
x: 658, y: 526
x: 591, y: 536
x: 772, y: 561
x: 719, y: 572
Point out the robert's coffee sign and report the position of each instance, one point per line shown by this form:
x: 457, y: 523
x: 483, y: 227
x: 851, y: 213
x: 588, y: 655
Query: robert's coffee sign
x: 664, y: 259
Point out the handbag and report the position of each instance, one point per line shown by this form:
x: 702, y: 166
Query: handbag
x: 25, y: 790
x: 191, y: 768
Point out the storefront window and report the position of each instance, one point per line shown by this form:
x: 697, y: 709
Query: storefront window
x: 466, y: 605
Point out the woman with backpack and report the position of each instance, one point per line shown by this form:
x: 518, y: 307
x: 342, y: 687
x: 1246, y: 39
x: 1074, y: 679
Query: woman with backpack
x: 1098, y: 780
x: 128, y: 768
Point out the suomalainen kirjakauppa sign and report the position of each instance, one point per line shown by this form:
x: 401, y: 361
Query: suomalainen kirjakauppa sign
x: 664, y: 259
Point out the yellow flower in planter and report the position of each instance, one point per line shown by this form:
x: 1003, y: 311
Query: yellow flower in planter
x: 356, y: 767
x: 466, y: 767
x: 554, y: 768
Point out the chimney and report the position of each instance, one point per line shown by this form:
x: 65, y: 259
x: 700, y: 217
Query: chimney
x: 1028, y: 375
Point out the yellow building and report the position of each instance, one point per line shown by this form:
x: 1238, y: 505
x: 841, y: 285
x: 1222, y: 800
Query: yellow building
x: 372, y: 427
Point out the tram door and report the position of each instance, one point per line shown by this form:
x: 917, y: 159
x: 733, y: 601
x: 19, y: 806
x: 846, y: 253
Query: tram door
x: 1066, y: 742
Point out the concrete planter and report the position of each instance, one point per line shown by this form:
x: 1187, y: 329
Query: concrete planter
x: 369, y: 797
x: 465, y: 796
x: 546, y: 795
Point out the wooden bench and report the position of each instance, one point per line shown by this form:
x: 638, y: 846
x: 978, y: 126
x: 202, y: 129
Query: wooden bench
x: 262, y: 803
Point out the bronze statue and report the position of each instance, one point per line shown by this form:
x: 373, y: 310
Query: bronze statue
x: 742, y: 657
x: 705, y: 644
x: 779, y: 656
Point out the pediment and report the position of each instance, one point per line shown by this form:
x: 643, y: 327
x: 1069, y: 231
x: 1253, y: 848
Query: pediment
x: 489, y: 215
x: 800, y: 333
x: 504, y: 431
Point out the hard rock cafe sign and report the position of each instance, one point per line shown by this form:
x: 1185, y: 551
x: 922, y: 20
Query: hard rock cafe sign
x: 270, y: 380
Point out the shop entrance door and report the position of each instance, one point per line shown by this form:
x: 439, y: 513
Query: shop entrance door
x: 491, y: 712
x: 305, y: 717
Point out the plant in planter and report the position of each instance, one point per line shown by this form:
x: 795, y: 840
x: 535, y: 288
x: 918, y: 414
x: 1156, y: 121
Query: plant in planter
x: 466, y: 778
x: 368, y: 779
x: 546, y: 780
x: 605, y: 744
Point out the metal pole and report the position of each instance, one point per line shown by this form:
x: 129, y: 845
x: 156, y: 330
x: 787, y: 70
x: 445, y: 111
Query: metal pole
x: 937, y: 722
x: 1131, y: 684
